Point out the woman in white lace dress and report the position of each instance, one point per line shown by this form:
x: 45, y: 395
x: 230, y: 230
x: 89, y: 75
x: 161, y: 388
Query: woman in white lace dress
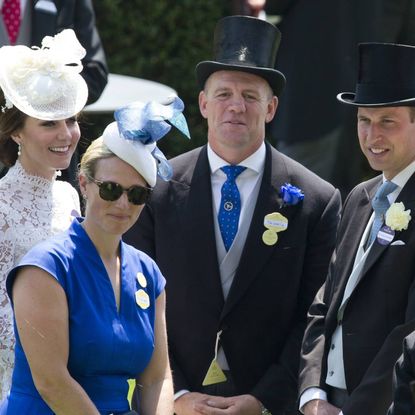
x: 40, y: 97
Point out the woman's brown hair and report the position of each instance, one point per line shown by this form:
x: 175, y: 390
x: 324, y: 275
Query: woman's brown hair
x: 11, y: 120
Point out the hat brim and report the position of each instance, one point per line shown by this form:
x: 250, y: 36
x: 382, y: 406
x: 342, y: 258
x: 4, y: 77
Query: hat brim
x: 275, y: 78
x: 350, y: 99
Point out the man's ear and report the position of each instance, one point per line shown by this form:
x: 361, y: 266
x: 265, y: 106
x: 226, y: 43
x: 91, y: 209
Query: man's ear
x: 203, y: 104
x: 272, y: 109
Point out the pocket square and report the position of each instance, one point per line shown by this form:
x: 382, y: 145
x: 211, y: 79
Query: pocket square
x: 398, y: 242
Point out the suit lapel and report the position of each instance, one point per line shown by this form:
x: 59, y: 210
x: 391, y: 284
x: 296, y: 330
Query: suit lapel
x: 407, y: 197
x: 255, y: 253
x: 350, y: 234
x: 355, y: 227
x: 195, y: 212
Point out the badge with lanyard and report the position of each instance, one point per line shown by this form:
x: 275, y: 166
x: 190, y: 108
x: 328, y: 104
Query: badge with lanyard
x: 215, y: 373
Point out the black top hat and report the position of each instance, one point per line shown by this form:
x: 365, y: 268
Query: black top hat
x: 247, y: 44
x: 386, y: 76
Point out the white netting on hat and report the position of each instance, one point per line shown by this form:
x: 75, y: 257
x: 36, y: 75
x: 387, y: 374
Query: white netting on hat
x: 45, y: 83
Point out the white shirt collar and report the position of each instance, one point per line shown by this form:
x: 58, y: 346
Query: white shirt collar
x: 255, y: 161
x: 403, y: 176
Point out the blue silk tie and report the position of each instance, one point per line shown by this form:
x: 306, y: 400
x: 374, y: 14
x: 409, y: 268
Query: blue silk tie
x: 230, y: 205
x: 380, y: 204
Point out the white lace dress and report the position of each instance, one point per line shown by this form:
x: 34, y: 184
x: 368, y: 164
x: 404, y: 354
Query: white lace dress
x: 31, y: 209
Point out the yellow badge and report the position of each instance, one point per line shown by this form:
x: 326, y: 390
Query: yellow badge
x: 214, y: 374
x: 269, y: 237
x: 141, y: 279
x: 276, y: 222
x: 142, y: 299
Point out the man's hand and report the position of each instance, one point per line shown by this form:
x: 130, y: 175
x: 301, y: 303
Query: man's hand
x: 320, y: 407
x: 186, y: 404
x: 234, y: 405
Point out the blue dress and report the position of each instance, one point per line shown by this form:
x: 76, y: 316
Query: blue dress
x: 107, y: 346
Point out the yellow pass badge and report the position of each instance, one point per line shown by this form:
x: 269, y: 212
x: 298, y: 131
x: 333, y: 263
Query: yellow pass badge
x: 276, y: 222
x: 214, y: 374
x: 269, y: 237
x: 142, y: 299
x: 141, y: 279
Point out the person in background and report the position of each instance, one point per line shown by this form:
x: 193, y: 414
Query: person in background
x: 26, y: 22
x: 361, y: 315
x: 89, y: 309
x: 324, y: 35
x: 249, y: 7
x: 41, y: 95
x: 243, y: 235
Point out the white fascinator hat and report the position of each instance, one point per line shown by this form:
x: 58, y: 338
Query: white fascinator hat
x: 137, y: 128
x: 45, y: 83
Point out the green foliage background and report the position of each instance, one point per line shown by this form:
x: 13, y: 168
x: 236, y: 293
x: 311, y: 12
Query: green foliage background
x: 160, y: 40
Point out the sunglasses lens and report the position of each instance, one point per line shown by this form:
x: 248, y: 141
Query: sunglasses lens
x: 138, y: 195
x: 110, y: 191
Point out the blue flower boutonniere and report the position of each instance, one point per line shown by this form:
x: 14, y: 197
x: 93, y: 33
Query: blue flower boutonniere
x: 290, y: 195
x: 275, y: 222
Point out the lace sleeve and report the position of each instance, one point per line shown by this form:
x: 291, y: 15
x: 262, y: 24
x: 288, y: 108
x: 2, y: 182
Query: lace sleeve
x: 7, y: 259
x: 7, y: 254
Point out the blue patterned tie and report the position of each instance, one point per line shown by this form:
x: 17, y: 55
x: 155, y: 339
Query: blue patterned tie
x: 230, y: 205
x: 380, y: 204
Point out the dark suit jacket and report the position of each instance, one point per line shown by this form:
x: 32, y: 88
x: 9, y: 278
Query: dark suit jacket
x: 77, y: 15
x: 264, y: 316
x: 379, y: 314
x: 403, y: 382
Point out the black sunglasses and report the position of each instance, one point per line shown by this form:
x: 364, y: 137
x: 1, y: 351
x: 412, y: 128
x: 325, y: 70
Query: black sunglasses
x: 111, y: 191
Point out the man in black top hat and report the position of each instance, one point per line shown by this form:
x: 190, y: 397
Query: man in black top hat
x: 243, y: 235
x: 367, y: 305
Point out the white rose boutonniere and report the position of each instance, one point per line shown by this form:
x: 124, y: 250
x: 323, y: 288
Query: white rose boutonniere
x: 397, y: 218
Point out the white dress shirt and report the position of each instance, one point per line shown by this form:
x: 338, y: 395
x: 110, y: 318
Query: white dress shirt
x: 246, y: 182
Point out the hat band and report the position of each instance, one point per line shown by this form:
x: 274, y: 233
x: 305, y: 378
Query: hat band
x: 233, y: 62
x: 380, y: 93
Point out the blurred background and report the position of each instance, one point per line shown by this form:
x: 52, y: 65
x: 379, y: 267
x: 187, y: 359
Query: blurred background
x: 163, y: 40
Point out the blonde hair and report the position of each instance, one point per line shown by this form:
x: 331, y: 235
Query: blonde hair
x: 96, y: 151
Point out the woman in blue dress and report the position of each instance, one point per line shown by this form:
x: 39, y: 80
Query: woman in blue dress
x: 89, y: 309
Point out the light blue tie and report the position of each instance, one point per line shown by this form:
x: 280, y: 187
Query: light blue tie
x: 380, y: 204
x: 230, y: 205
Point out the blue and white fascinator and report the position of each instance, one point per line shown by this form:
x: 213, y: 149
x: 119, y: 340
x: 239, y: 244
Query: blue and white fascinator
x: 137, y: 129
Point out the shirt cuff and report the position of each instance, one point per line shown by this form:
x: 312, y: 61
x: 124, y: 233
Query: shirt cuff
x: 310, y: 394
x: 180, y: 393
